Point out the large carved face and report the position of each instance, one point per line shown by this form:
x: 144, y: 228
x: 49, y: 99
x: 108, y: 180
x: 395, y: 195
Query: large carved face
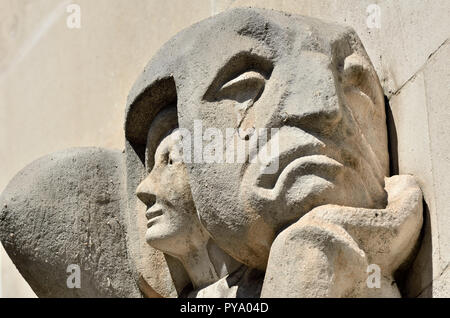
x: 255, y: 69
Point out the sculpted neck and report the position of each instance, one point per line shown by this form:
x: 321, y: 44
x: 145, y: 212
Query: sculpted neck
x: 207, y: 263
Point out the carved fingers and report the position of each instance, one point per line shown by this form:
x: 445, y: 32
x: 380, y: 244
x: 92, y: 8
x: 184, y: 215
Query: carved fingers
x: 327, y: 252
x: 387, y: 235
x: 314, y: 259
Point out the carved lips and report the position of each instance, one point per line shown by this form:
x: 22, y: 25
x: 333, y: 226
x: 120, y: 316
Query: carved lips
x: 153, y: 213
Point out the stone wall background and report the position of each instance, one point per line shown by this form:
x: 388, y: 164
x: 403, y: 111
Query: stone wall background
x: 62, y: 87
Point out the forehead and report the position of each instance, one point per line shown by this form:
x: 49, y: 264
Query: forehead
x: 197, y: 53
x: 167, y: 144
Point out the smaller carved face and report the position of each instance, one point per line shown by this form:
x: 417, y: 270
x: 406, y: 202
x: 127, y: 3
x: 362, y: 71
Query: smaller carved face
x: 173, y: 225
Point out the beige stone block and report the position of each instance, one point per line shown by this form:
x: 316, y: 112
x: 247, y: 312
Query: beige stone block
x: 437, y: 83
x: 11, y: 282
x: 218, y: 6
x: 18, y: 19
x: 421, y: 117
x: 410, y: 127
x: 439, y: 287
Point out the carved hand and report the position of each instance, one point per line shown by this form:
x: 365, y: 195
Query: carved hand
x: 326, y: 253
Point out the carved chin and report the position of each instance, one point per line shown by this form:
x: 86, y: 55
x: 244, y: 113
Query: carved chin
x: 159, y: 232
x: 171, y: 234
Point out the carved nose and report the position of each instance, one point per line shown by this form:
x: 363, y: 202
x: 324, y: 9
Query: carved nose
x: 144, y: 192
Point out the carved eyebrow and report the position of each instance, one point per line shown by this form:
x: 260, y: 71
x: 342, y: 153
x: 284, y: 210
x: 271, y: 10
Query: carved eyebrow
x: 233, y: 88
x: 247, y: 76
x: 162, y: 125
x: 245, y: 64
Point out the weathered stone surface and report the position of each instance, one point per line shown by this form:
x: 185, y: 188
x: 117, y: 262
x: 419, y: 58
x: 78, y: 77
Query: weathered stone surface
x: 219, y: 222
x: 437, y: 75
x: 66, y: 208
x: 438, y: 288
x: 420, y: 115
x: 406, y: 34
x: 410, y: 31
x: 300, y: 89
x: 157, y: 272
x: 328, y: 251
x: 173, y: 225
x: 312, y: 81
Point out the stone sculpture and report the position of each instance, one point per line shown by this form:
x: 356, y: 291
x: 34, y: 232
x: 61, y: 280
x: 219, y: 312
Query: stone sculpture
x: 326, y: 212
x: 174, y: 227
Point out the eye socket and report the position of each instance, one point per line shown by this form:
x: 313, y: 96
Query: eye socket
x: 244, y: 68
x: 247, y: 86
x: 165, y: 158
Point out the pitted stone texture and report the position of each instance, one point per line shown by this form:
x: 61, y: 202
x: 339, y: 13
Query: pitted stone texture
x: 327, y: 253
x: 406, y: 32
x: 320, y: 90
x: 322, y: 93
x: 420, y: 116
x: 65, y: 209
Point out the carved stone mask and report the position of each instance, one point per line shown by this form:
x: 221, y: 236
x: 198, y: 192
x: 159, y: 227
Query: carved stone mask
x: 251, y: 69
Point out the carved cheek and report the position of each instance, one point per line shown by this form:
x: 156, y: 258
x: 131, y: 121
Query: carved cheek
x: 173, y: 184
x: 312, y: 101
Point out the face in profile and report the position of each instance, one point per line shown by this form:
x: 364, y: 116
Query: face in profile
x: 173, y: 225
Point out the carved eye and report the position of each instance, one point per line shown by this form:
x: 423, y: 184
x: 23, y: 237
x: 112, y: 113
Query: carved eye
x: 245, y: 87
x: 241, y: 78
x: 166, y: 158
x: 244, y: 90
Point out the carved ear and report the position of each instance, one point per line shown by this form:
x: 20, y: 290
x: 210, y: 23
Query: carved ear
x: 365, y: 98
x: 359, y: 73
x: 67, y: 208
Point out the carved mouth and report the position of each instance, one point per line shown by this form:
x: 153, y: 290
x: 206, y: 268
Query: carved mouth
x: 313, y: 164
x: 154, y: 212
x: 302, y: 178
x: 300, y: 161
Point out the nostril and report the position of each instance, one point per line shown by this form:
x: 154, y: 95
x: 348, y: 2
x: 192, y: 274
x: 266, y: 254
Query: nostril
x: 147, y: 198
x: 144, y: 191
